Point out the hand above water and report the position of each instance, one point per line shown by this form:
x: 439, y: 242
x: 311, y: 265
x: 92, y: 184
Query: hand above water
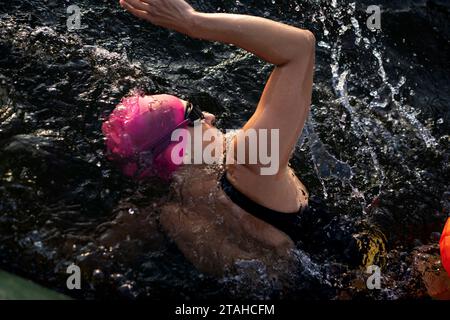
x: 171, y: 14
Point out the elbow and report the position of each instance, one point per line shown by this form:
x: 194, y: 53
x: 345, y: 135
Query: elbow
x: 305, y: 44
x: 310, y: 39
x: 308, y: 42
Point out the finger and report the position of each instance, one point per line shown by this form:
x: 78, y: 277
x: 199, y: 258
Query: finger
x: 135, y: 4
x: 139, y: 5
x: 138, y: 13
x: 149, y: 2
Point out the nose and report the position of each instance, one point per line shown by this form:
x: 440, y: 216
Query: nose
x: 209, y: 118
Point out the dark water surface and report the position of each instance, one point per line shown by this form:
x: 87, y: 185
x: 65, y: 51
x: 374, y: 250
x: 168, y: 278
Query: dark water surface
x: 375, y: 150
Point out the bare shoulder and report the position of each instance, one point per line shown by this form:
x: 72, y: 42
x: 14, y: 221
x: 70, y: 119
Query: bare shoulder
x: 213, y: 232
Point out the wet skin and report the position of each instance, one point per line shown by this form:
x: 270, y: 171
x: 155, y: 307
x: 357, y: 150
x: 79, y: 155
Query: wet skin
x: 209, y: 228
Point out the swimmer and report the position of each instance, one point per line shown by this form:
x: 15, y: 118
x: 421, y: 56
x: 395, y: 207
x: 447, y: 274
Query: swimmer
x: 218, y: 215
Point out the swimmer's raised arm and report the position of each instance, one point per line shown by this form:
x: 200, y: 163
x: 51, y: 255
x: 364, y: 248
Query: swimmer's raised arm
x: 272, y: 41
x: 284, y: 104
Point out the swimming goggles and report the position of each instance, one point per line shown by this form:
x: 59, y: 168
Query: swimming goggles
x: 192, y: 114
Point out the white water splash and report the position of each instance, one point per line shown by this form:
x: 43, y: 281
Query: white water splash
x: 404, y: 110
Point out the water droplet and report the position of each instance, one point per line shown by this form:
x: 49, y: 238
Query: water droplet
x: 38, y: 244
x: 323, y: 44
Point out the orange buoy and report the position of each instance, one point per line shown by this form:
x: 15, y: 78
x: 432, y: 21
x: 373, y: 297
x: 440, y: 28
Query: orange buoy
x: 444, y: 244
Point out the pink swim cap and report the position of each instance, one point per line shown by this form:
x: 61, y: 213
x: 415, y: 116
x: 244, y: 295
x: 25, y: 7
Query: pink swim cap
x: 135, y: 135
